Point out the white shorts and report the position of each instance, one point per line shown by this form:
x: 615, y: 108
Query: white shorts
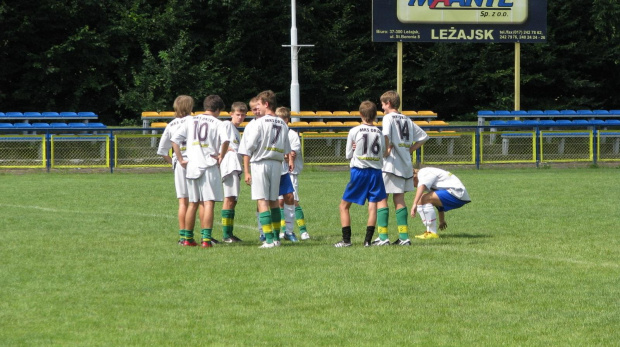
x: 295, y: 183
x: 266, y: 179
x: 397, y: 185
x: 180, y: 182
x: 232, y: 187
x: 207, y: 187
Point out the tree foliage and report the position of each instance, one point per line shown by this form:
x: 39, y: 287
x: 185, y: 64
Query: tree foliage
x: 120, y: 58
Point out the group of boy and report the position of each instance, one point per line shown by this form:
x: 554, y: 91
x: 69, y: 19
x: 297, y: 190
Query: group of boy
x: 210, y: 155
x: 381, y: 164
x: 207, y: 165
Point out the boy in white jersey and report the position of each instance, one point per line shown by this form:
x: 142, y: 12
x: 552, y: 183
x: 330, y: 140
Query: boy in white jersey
x: 203, y: 135
x: 402, y: 139
x: 231, y: 170
x: 366, y: 149
x: 289, y: 203
x: 436, y: 188
x: 183, y: 106
x: 265, y: 142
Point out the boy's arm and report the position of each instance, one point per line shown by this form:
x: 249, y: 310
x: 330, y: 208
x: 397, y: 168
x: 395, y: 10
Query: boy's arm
x: 349, y: 149
x: 442, y: 220
x: 418, y: 195
x: 223, y: 151
x: 247, y: 177
x: 416, y: 145
x: 177, y: 152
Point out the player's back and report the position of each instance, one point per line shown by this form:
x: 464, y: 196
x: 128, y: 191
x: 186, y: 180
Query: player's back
x: 401, y: 133
x: 369, y: 147
x: 204, y: 133
x: 165, y: 143
x: 267, y: 139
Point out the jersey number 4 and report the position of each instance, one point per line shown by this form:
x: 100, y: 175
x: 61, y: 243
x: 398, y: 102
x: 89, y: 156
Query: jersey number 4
x: 403, y: 130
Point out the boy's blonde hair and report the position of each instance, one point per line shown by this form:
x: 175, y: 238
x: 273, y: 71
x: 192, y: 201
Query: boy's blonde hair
x: 284, y: 113
x: 368, y: 110
x: 392, y: 98
x: 239, y: 106
x: 183, y: 106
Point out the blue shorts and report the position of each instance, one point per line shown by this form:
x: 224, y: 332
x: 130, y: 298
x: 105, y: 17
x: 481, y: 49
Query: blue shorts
x: 286, y: 185
x: 448, y: 201
x: 365, y: 184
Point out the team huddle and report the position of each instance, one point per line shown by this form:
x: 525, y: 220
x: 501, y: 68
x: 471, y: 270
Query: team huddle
x: 210, y: 156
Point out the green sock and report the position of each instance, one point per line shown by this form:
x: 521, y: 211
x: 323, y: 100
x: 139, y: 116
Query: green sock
x: 276, y: 219
x: 265, y: 221
x: 382, y: 221
x: 206, y: 234
x: 401, y: 221
x: 301, y: 222
x: 282, y: 221
x: 182, y: 234
x: 189, y: 234
x: 228, y: 222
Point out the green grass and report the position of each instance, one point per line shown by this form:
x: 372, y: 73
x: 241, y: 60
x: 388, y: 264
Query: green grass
x: 91, y: 260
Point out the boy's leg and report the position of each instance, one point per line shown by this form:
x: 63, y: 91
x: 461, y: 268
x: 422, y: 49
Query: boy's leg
x: 264, y: 216
x: 301, y: 221
x: 228, y: 219
x: 190, y: 220
x: 345, y: 222
x: 183, y: 202
x: 289, y: 217
x: 207, y: 223
x: 401, y: 218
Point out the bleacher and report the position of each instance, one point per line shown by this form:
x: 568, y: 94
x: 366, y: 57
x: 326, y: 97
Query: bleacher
x: 52, y: 121
x: 328, y: 120
x: 549, y: 118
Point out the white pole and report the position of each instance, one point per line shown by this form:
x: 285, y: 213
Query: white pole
x: 294, y: 63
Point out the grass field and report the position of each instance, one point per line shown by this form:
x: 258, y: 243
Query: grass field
x: 92, y: 260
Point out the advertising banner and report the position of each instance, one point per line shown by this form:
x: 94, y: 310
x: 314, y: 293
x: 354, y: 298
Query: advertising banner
x: 459, y: 21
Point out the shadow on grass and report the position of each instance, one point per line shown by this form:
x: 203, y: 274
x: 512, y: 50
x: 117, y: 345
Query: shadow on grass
x: 465, y: 236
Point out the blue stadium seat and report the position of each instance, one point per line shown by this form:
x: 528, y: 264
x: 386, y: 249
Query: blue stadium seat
x: 552, y: 112
x: 535, y: 112
x: 585, y: 112
x: 87, y: 114
x: 547, y: 122
x: 518, y: 113
x: 612, y: 121
x: 96, y: 125
x: 32, y: 114
x: 59, y: 125
x: 614, y: 112
x: 22, y: 125
x: 531, y: 122
x: 600, y: 112
x: 581, y: 122
x: 485, y: 113
x: 596, y: 122
x: 68, y: 114
x: 50, y: 114
x: 77, y: 125
x: 502, y: 113
x: 14, y: 114
x: 563, y: 122
x: 568, y: 112
x: 497, y: 122
x: 6, y: 125
x: 2, y: 114
x: 40, y: 125
x: 514, y: 122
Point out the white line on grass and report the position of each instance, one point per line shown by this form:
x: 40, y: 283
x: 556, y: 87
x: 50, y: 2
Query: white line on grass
x: 171, y: 216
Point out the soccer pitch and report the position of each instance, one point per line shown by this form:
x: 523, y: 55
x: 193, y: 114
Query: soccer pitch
x: 91, y: 259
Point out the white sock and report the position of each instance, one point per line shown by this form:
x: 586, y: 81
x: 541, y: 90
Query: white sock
x: 289, y: 218
x: 429, y: 217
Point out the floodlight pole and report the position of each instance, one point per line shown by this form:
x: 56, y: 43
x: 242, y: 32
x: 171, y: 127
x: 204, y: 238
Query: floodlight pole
x: 295, y: 106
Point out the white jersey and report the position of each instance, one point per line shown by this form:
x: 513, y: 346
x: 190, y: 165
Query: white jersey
x: 438, y: 179
x: 369, y: 147
x: 265, y: 139
x: 232, y: 162
x: 402, y: 134
x: 293, y: 138
x: 165, y: 143
x: 203, y: 136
